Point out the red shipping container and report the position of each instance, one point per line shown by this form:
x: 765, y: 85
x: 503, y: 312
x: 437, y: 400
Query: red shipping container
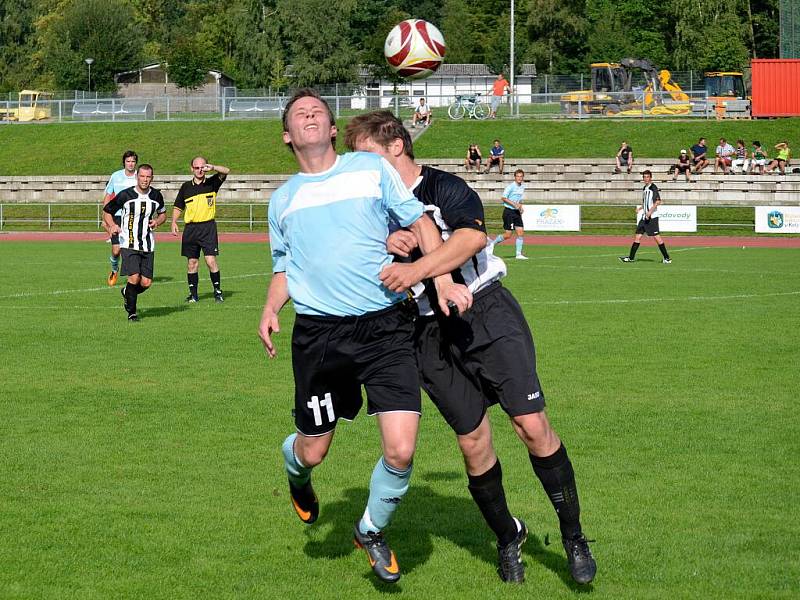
x: 776, y: 87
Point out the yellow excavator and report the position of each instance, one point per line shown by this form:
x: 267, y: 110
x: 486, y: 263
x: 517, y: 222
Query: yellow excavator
x: 613, y: 91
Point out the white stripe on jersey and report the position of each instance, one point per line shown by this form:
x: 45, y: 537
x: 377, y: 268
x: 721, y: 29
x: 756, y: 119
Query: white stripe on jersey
x: 479, y: 271
x: 649, y: 196
x: 344, y: 186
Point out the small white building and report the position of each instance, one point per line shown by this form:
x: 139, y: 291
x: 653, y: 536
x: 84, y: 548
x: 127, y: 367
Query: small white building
x: 440, y: 88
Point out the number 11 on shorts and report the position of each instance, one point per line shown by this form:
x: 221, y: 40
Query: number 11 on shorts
x: 315, y: 405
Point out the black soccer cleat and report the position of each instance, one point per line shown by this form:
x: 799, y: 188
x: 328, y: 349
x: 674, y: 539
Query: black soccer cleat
x: 626, y: 259
x: 124, y: 300
x: 304, y: 502
x: 218, y: 297
x: 381, y: 558
x: 191, y: 299
x: 582, y: 565
x: 132, y: 318
x: 509, y: 557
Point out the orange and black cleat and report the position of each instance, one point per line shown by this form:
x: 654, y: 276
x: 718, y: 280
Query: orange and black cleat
x: 305, y: 502
x: 381, y: 558
x: 112, y: 278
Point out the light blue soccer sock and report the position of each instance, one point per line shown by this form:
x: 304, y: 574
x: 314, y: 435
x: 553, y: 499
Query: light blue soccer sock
x: 114, y: 260
x: 498, y: 239
x: 297, y: 472
x: 386, y: 489
x: 519, y: 246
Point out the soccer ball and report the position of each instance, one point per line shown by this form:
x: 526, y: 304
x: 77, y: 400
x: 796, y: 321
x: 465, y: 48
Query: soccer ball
x: 414, y: 49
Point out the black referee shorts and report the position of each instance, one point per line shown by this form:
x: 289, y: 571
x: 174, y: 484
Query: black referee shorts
x: 136, y: 262
x: 200, y: 236
x: 484, y: 357
x: 115, y: 236
x: 332, y: 357
x: 511, y: 218
x: 648, y: 226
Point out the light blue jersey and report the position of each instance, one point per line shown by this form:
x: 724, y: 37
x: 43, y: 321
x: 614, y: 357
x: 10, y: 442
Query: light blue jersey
x: 515, y: 192
x: 119, y: 181
x: 328, y: 234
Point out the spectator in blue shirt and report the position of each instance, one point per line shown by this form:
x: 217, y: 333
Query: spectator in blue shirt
x: 497, y: 156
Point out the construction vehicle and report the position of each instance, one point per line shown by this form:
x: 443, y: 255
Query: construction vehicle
x: 33, y: 105
x: 613, y: 89
x: 727, y: 96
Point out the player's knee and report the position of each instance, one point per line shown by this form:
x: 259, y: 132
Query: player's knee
x: 534, y: 426
x: 399, y: 455
x: 475, y: 447
x: 145, y: 282
x: 310, y: 455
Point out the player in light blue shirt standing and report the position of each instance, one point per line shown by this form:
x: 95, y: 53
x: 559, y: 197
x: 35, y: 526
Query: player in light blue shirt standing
x: 328, y: 230
x: 119, y: 180
x: 512, y: 212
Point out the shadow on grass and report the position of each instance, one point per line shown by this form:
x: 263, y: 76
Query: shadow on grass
x: 424, y: 516
x: 162, y: 278
x: 159, y: 311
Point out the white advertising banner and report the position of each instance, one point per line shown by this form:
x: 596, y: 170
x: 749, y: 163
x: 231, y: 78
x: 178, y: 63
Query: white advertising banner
x: 557, y: 217
x: 777, y: 219
x: 677, y: 218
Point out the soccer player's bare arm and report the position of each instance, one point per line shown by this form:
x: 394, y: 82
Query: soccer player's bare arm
x: 277, y: 297
x: 176, y: 212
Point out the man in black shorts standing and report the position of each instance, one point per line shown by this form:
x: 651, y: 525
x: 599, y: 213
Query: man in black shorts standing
x: 142, y: 211
x: 470, y: 361
x: 648, y: 219
x: 197, y: 200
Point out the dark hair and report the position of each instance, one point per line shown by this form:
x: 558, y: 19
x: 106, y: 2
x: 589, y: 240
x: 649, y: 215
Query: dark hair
x: 146, y: 167
x: 740, y: 142
x: 127, y: 154
x: 756, y: 143
x: 380, y: 125
x: 498, y: 141
x: 307, y: 93
x: 647, y: 172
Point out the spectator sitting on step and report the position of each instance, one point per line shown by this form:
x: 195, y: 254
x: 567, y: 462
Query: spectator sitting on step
x: 684, y: 165
x: 699, y: 156
x: 624, y: 158
x: 739, y: 163
x: 758, y: 158
x: 473, y: 159
x: 422, y: 114
x: 780, y: 161
x: 724, y: 158
x: 497, y: 156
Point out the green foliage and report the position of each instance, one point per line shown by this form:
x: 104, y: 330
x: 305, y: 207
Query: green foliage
x: 104, y: 30
x: 188, y: 62
x: 320, y: 51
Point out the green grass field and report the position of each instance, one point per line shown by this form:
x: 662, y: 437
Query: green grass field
x: 142, y: 460
x: 256, y: 146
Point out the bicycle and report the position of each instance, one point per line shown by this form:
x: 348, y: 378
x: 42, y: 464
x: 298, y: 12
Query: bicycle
x: 468, y: 105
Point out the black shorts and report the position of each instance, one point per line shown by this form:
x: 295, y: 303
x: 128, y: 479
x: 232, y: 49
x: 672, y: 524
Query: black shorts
x: 683, y: 168
x: 511, y: 218
x: 332, y: 357
x: 197, y: 236
x: 648, y: 226
x: 470, y: 362
x: 494, y: 159
x: 115, y: 236
x: 136, y: 262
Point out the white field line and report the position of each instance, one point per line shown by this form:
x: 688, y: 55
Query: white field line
x: 621, y: 252
x: 105, y: 287
x: 526, y: 303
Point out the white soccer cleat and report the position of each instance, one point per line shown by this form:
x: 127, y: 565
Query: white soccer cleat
x: 521, y: 257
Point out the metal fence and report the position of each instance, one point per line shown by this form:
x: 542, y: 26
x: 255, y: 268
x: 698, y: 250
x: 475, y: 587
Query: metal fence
x: 550, y: 105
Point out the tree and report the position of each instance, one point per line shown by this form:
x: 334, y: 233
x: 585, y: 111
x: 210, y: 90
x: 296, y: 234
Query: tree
x: 104, y: 30
x: 319, y: 50
x: 188, y: 62
x: 557, y: 34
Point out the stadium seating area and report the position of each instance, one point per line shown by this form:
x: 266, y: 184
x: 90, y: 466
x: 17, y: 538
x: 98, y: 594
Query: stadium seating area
x: 556, y: 181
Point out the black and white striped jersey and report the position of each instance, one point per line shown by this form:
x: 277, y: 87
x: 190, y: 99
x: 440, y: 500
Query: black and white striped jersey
x: 650, y: 196
x: 452, y: 205
x: 137, y: 211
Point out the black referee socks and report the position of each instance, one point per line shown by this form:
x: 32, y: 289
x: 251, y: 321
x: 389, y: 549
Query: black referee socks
x: 215, y: 280
x: 558, y: 479
x: 193, y: 278
x: 487, y: 491
x: 634, y: 248
x: 663, y: 249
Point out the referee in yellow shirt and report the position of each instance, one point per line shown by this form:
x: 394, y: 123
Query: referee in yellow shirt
x: 197, y: 200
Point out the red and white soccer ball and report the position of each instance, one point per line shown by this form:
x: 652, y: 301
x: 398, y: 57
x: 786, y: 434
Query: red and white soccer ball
x: 414, y: 49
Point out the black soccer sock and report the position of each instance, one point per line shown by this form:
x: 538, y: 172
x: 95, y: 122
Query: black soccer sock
x: 193, y: 279
x: 634, y: 248
x: 664, y: 252
x: 131, y: 293
x: 140, y: 289
x: 558, y: 479
x: 215, y: 281
x: 487, y: 491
